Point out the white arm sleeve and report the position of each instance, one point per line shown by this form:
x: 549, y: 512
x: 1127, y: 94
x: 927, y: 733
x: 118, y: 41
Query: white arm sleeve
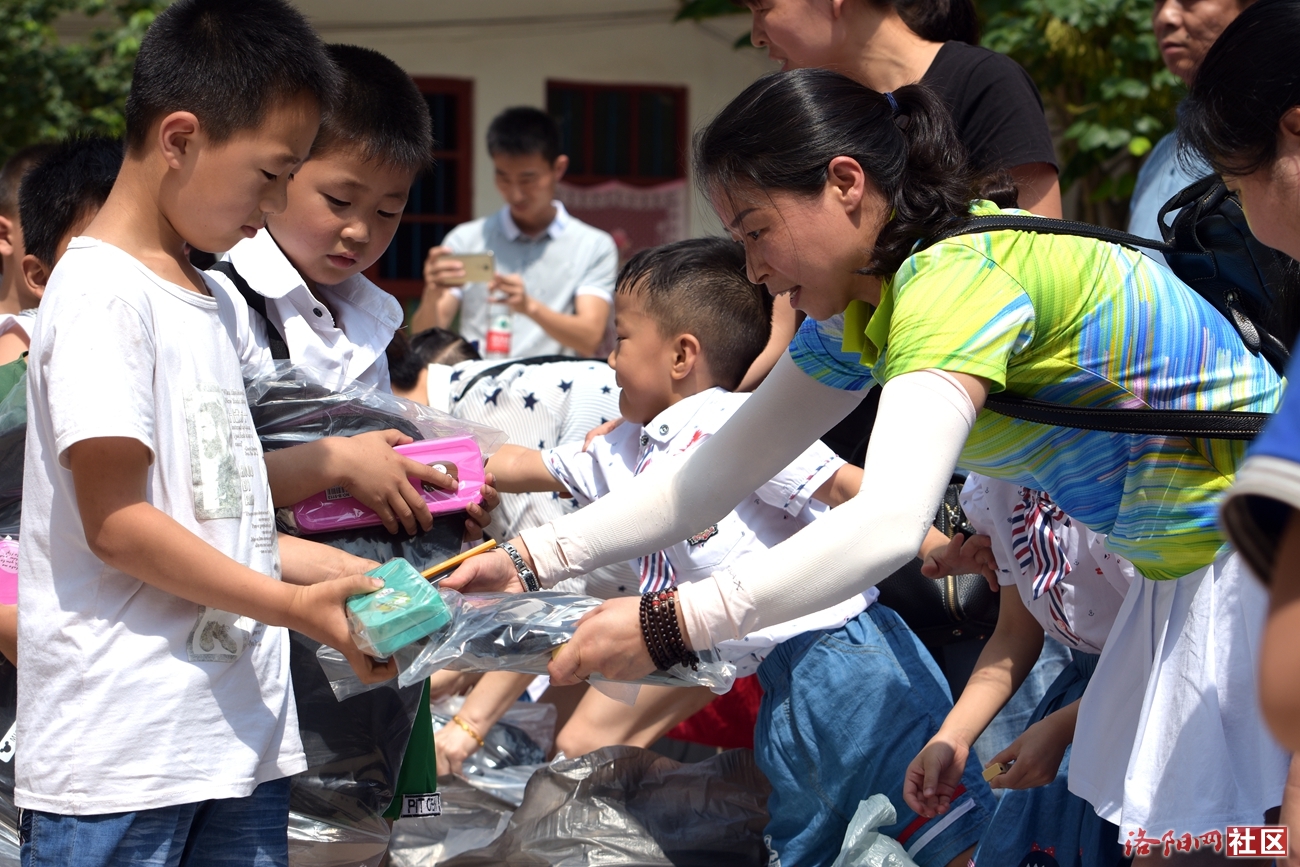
x: 924, y: 419
x: 787, y: 413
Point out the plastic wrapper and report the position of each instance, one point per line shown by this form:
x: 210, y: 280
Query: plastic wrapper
x: 508, y: 632
x: 354, y: 750
x: 406, y: 608
x: 471, y: 819
x: 520, y: 631
x: 864, y: 846
x: 288, y: 409
x: 629, y: 806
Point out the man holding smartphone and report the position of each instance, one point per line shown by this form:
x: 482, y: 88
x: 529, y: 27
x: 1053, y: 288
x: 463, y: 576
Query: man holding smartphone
x: 553, y: 271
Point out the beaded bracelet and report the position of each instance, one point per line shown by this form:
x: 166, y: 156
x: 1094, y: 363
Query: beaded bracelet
x: 662, y: 633
x: 469, y: 730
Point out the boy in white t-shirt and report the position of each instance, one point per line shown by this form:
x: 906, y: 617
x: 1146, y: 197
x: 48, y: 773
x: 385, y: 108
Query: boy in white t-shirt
x: 153, y: 697
x: 296, y: 290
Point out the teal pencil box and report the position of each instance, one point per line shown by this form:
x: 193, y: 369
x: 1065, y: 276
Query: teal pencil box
x: 405, y: 609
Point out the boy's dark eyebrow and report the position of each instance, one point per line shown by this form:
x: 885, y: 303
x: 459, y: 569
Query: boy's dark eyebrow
x: 742, y: 215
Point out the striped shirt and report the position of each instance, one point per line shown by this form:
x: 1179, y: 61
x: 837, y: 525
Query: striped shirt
x: 1075, y: 321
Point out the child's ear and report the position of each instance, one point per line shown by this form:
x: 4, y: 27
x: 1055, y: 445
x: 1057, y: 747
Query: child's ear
x: 560, y: 166
x: 36, y: 274
x: 177, y: 133
x: 686, y: 356
x: 7, y: 236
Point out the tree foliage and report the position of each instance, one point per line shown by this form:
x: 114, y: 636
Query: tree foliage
x: 53, y: 87
x: 1103, y: 83
x: 1107, y: 93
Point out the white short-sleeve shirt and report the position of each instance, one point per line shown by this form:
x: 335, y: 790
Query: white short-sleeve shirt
x: 1032, y: 541
x: 772, y: 514
x: 130, y: 698
x: 569, y: 259
x: 337, y: 351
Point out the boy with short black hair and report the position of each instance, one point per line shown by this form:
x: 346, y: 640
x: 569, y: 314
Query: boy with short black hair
x: 154, y: 702
x: 59, y: 197
x: 553, y: 270
x: 689, y: 326
x: 17, y: 305
x: 296, y: 289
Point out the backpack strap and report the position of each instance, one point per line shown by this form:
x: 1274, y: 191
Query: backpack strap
x: 1195, y: 424
x: 275, y: 340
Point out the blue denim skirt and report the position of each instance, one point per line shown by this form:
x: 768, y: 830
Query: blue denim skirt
x: 844, y: 711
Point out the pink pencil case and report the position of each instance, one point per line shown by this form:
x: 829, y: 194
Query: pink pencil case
x: 336, y: 509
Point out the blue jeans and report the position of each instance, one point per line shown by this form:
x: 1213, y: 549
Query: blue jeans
x: 230, y: 832
x: 844, y: 712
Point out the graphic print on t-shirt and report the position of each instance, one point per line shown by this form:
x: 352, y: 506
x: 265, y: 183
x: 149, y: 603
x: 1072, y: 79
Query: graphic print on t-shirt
x: 218, y: 492
x: 220, y: 636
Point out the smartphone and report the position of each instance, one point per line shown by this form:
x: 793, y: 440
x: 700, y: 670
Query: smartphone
x: 479, y: 267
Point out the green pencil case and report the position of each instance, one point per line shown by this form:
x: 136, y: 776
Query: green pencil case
x: 405, y: 609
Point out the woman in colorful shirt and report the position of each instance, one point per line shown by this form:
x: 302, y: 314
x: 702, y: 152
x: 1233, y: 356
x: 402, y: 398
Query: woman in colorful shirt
x: 830, y: 186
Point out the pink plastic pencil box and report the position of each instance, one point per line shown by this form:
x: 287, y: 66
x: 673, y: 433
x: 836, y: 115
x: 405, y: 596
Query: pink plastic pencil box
x: 336, y: 509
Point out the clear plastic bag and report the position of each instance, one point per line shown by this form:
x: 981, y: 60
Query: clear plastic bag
x: 864, y: 846
x: 629, y: 806
x: 471, y: 819
x: 520, y: 631
x: 509, y: 632
x: 289, y: 408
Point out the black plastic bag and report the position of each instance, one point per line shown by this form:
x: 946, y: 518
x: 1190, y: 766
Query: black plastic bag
x: 354, y: 748
x: 629, y: 806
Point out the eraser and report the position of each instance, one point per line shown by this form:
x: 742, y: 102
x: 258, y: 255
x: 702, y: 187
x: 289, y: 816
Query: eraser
x: 405, y: 609
x: 994, y: 770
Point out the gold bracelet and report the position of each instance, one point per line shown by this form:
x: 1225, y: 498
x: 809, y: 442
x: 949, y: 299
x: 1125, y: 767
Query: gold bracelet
x: 469, y: 729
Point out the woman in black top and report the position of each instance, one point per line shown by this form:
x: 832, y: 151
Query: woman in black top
x: 885, y: 45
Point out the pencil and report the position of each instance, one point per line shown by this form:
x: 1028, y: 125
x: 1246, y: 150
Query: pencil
x: 448, y: 565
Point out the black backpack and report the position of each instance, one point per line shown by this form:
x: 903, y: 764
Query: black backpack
x: 1211, y: 249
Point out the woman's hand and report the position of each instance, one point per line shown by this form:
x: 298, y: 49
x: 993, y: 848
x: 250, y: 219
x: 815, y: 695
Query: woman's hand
x: 962, y: 556
x: 491, y: 572
x: 453, y: 745
x: 608, y: 642
x: 934, y: 775
x: 1036, y: 755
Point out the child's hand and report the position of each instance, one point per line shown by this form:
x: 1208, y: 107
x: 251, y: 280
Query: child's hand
x: 444, y: 683
x: 368, y: 468
x: 453, y: 745
x: 600, y: 431
x: 317, y: 611
x: 480, y: 515
x: 962, y: 556
x: 934, y: 775
x: 1036, y: 755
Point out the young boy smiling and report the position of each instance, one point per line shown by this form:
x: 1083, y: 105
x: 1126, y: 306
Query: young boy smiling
x: 303, y: 296
x: 153, y: 697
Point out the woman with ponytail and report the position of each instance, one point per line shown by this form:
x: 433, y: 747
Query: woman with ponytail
x: 830, y: 186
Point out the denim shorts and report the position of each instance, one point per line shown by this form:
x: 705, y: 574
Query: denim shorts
x: 844, y: 712
x: 229, y: 832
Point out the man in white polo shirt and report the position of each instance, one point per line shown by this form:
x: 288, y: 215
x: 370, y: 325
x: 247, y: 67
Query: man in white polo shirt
x: 555, y: 272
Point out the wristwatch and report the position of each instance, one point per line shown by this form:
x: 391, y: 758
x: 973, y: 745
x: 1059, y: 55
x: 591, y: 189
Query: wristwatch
x: 526, y: 576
